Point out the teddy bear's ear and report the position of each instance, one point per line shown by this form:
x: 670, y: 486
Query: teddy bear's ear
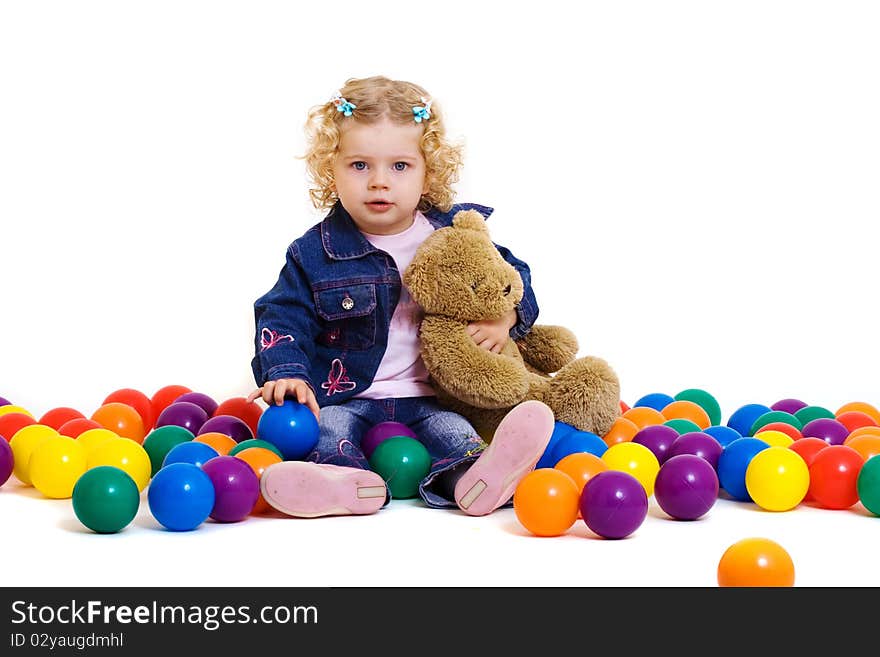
x: 470, y: 219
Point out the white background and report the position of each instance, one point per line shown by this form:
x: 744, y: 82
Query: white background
x: 694, y: 185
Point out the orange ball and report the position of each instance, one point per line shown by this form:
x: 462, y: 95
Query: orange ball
x: 863, y: 407
x: 259, y: 458
x: 684, y: 409
x: 219, y: 441
x: 121, y: 419
x: 546, y: 502
x: 138, y: 401
x: 869, y: 430
x: 853, y: 420
x: 644, y: 416
x: 581, y: 467
x: 621, y: 431
x: 755, y: 562
x: 867, y: 445
x: 241, y: 408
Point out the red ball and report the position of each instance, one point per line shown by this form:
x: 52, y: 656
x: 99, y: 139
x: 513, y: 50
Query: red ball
x: 55, y: 417
x: 834, y: 473
x: 77, y: 425
x: 10, y: 423
x: 241, y: 408
x: 853, y: 420
x: 792, y: 432
x: 165, y: 396
x: 138, y: 401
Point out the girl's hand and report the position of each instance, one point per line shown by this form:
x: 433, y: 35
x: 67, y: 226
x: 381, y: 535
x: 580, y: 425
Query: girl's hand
x: 493, y: 334
x: 276, y: 391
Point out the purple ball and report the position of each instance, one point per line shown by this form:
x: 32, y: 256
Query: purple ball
x: 788, y: 405
x: 199, y: 399
x: 6, y: 460
x: 613, y: 504
x: 236, y: 487
x: 232, y: 426
x: 183, y: 414
x: 686, y: 486
x: 5, y: 402
x: 699, y: 444
x: 831, y: 431
x: 382, y: 431
x: 657, y: 438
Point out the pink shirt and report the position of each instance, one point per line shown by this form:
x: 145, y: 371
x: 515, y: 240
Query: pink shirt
x: 402, y: 373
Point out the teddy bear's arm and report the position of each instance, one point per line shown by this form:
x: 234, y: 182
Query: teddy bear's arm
x: 467, y: 372
x: 548, y: 348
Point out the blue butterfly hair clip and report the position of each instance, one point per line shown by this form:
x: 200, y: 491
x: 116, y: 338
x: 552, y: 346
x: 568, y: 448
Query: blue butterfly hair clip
x: 422, y: 112
x: 342, y: 105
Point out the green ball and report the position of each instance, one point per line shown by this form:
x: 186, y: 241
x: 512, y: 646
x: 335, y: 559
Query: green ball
x: 705, y: 401
x: 810, y: 413
x: 105, y: 499
x: 160, y: 441
x: 775, y: 416
x: 682, y: 425
x: 868, y: 485
x: 402, y: 462
x: 255, y: 442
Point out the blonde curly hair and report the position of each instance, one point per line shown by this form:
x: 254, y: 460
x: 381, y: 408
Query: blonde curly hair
x: 376, y: 98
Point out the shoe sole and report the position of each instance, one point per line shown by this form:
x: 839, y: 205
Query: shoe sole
x: 308, y: 490
x: 519, y: 441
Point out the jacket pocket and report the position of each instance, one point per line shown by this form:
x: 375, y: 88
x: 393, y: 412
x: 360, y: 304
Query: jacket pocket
x: 349, y: 316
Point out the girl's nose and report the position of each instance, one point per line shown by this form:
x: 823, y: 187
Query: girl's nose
x: 378, y: 181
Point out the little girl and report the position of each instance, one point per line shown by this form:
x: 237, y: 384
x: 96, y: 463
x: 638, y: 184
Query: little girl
x: 339, y: 333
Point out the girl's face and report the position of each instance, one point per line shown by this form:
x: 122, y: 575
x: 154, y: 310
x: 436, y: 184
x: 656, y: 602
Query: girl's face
x: 379, y: 175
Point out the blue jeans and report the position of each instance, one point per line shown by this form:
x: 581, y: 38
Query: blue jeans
x: 449, y: 438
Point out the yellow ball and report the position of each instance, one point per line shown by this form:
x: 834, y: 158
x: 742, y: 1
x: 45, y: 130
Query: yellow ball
x: 127, y: 455
x: 777, y: 478
x: 91, y: 438
x: 23, y: 444
x: 775, y: 438
x: 635, y: 459
x: 55, y: 466
x: 12, y: 408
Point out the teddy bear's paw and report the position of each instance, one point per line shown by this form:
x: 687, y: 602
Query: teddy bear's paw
x: 548, y: 348
x: 586, y: 394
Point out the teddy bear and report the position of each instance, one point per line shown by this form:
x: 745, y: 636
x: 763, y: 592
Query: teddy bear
x: 458, y: 276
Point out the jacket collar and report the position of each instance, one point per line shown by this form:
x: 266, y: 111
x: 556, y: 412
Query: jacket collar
x: 343, y: 241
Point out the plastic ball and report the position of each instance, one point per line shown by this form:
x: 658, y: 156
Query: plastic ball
x: 789, y: 405
x: 189, y: 452
x: 644, y: 416
x: 732, y: 465
x: 254, y: 442
x: 699, y: 444
x: 581, y: 467
x: 23, y: 444
x: 55, y: 466
x: 867, y: 445
x: 219, y: 441
x: 121, y: 419
x: 723, y: 434
x: 807, y: 448
x: 834, y: 473
x: 291, y: 427
x: 382, y: 431
x: 403, y: 462
x: 206, y: 402
x: 259, y: 458
x: 231, y: 425
x: 853, y: 420
x: 755, y: 562
x: 777, y: 479
x: 686, y: 487
x: 236, y: 488
x: 105, y: 499
x: 125, y: 454
x: 12, y: 408
x: 864, y: 407
x: 12, y: 422
x: 546, y: 502
x: 655, y: 400
x: 7, y: 462
x: 810, y: 413
x: 636, y: 460
x: 784, y: 427
x: 744, y: 417
x: 75, y: 427
x: 657, y: 438
x: 868, y: 485
x: 91, y: 438
x: 578, y: 441
x: 621, y: 431
x: 560, y: 429
x: 871, y: 431
x: 4, y: 401
x: 247, y: 411
x: 165, y: 396
x: 704, y: 400
x: 138, y: 401
x: 613, y: 504
x: 687, y: 410
x: 774, y: 438
x: 161, y: 440
x: 774, y: 416
x: 682, y: 425
x: 181, y: 496
x: 183, y: 414
x: 829, y: 430
x: 57, y: 416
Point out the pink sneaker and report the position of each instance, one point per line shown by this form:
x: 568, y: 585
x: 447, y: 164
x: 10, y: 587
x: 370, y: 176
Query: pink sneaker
x: 518, y: 443
x: 308, y: 490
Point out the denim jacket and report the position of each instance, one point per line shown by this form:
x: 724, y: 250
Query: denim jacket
x: 326, y: 318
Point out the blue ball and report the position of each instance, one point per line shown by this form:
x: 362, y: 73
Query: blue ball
x: 181, y: 496
x: 577, y: 441
x: 724, y: 435
x: 190, y: 452
x: 291, y: 427
x: 744, y: 417
x: 732, y: 464
x: 656, y: 400
x: 560, y: 430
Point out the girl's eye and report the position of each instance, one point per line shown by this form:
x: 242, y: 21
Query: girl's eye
x: 400, y: 166
x: 359, y: 166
